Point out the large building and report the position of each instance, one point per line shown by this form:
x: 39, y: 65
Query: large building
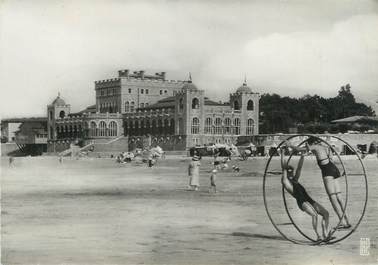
x: 149, y: 109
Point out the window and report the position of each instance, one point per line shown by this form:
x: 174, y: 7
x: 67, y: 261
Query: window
x: 102, y: 92
x: 218, y: 126
x: 195, y: 103
x: 195, y: 126
x: 146, y: 91
x: 62, y: 114
x: 129, y: 90
x: 209, y: 125
x: 181, y: 105
x: 237, y: 126
x: 112, y: 128
x: 142, y: 91
x: 180, y: 126
x: 114, y: 91
x: 50, y: 115
x: 102, y: 129
x: 250, y: 127
x: 236, y: 105
x: 127, y: 106
x: 165, y: 91
x: 172, y: 127
x: 132, y: 106
x: 146, y: 104
x: 250, y: 105
x: 93, y: 129
x: 142, y: 105
x: 227, y: 126
x: 161, y: 92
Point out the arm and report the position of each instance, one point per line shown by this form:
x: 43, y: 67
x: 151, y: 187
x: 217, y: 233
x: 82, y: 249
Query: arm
x: 299, y: 168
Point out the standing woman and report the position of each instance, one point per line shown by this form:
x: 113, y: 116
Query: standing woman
x: 193, y: 172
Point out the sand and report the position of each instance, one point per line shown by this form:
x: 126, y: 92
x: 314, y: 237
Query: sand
x: 94, y: 211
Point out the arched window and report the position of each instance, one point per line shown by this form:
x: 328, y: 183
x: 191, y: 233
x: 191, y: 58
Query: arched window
x: 142, y: 105
x: 180, y: 126
x: 237, y: 126
x: 102, y: 128
x: 127, y: 106
x: 218, y: 126
x: 70, y: 131
x: 51, y: 115
x: 132, y: 106
x: 209, y: 125
x: 236, y: 105
x: 250, y: 105
x: 250, y: 127
x: 195, y: 126
x: 160, y: 126
x: 195, y: 103
x: 136, y: 127
x: 131, y: 128
x: 172, y: 127
x: 93, y: 129
x: 142, y: 127
x: 154, y: 128
x: 166, y: 126
x: 62, y: 114
x: 181, y: 105
x: 227, y: 126
x: 112, y: 128
x: 148, y: 127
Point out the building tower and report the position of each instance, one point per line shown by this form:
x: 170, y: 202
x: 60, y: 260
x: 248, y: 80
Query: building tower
x: 58, y: 109
x: 246, y: 102
x: 190, y: 113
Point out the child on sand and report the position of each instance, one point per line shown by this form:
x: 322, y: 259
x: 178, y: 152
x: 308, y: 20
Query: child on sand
x: 213, y: 177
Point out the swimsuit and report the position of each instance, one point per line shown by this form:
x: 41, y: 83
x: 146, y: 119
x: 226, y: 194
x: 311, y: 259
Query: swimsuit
x: 329, y: 169
x: 300, y: 194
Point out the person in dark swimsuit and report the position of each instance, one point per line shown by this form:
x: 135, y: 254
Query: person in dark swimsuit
x: 330, y: 175
x: 305, y: 202
x: 331, y: 178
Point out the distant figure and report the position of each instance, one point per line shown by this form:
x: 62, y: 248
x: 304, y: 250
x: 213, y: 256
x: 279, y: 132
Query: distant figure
x: 213, y: 178
x: 151, y: 160
x: 193, y: 172
x: 235, y: 168
x: 11, y: 160
x: 60, y: 159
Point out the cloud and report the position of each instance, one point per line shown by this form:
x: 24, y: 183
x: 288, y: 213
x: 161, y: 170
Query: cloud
x: 308, y: 62
x: 287, y: 47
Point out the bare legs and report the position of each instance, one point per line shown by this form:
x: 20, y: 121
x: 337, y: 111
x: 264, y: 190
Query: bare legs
x: 311, y: 211
x: 332, y: 187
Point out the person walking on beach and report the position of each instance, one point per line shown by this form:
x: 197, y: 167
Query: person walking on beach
x: 193, y: 172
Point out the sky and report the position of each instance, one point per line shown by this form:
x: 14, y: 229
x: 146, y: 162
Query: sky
x: 291, y: 48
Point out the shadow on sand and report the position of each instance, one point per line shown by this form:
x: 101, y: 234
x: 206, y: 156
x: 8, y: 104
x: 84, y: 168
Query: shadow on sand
x: 242, y: 234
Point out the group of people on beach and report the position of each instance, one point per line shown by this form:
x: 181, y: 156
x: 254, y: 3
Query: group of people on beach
x: 331, y: 179
x: 219, y: 163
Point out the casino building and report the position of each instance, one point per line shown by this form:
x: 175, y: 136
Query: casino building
x: 144, y: 109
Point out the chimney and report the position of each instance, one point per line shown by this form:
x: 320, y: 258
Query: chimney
x: 141, y: 73
x: 162, y: 74
x: 123, y: 73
